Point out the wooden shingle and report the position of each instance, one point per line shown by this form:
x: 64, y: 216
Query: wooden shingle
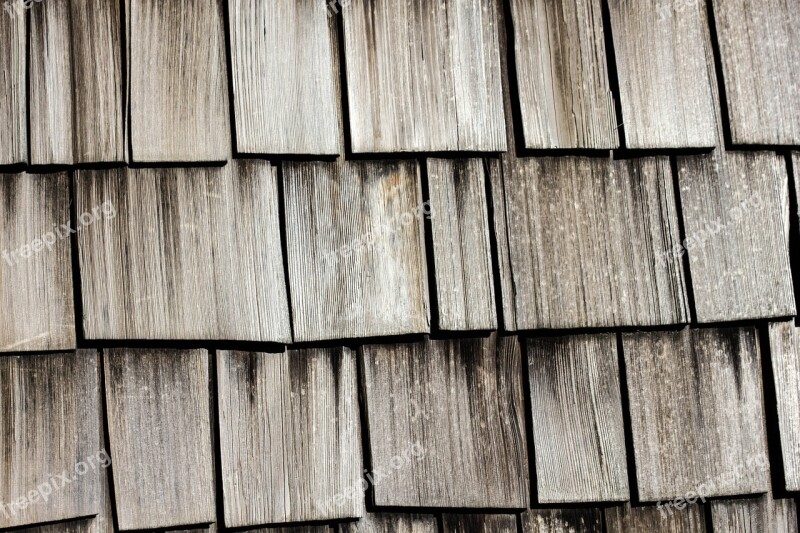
x: 564, y: 92
x: 424, y: 76
x: 159, y: 427
x: 479, y: 523
x: 13, y: 109
x: 462, y: 252
x: 290, y: 436
x: 562, y: 521
x: 190, y: 253
x: 578, y: 429
x: 391, y: 523
x: 583, y: 242
x: 177, y: 81
x: 755, y: 515
x: 446, y: 423
x: 665, y: 87
x: 355, y: 247
x: 697, y: 413
x: 784, y: 339
x: 627, y: 519
x: 36, y: 269
x: 50, y: 430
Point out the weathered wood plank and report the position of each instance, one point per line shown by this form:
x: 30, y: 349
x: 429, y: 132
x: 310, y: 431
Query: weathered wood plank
x: 562, y: 521
x: 285, y: 102
x: 736, y: 216
x: 391, y: 523
x: 159, y: 426
x: 578, y: 428
x: 584, y: 241
x: 755, y: 515
x: 627, y: 519
x: 784, y: 340
x: 290, y: 436
x: 424, y: 76
x: 446, y: 423
x: 177, y: 81
x: 36, y: 267
x: 564, y: 92
x: 190, y: 253
x: 479, y: 523
x: 760, y: 59
x: 666, y: 86
x: 355, y: 246
x: 697, y: 413
x: 461, y: 248
x: 49, y: 427
x: 13, y: 65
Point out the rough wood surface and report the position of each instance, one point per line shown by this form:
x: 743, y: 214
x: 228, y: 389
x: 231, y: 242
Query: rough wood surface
x: 578, y: 429
x: 76, y: 47
x: 190, y: 253
x: 784, y: 340
x: 461, y: 248
x: 697, y: 413
x: 665, y: 86
x: 446, y: 423
x: 735, y: 208
x: 479, y: 523
x: 49, y: 427
x: 36, y: 269
x: 755, y: 515
x: 285, y: 98
x: 583, y: 242
x: 355, y: 246
x: 159, y: 427
x: 177, y: 81
x: 564, y: 93
x: 562, y: 521
x: 760, y: 56
x: 290, y: 436
x: 627, y: 519
x: 391, y: 523
x: 13, y: 108
x: 424, y: 76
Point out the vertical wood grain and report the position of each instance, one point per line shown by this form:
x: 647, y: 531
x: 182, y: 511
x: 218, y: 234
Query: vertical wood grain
x: 13, y: 109
x: 562, y: 521
x: 479, y: 523
x: 627, y: 519
x: 755, y: 515
x: 391, y: 523
x: 784, y: 340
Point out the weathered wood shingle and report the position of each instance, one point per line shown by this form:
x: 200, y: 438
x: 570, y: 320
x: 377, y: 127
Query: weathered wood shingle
x: 479, y: 523
x: 13, y: 108
x: 562, y: 521
x: 290, y: 436
x: 755, y: 515
x: 784, y: 340
x: 391, y: 523
x: 627, y: 519
x: 446, y: 423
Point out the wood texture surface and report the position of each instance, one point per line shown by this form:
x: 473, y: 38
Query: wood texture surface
x: 177, y: 81
x: 784, y: 340
x: 424, y: 76
x: 627, y: 519
x: 36, y: 268
x: 446, y: 423
x: 13, y: 108
x: 697, y: 413
x: 290, y: 436
x: 285, y: 98
x: 391, y: 523
x: 562, y: 521
x: 755, y: 515
x: 760, y: 57
x: 479, y: 523
x: 578, y: 428
x: 76, y: 93
x: 159, y: 427
x: 190, y: 253
x: 49, y: 427
x: 665, y: 86
x: 735, y: 208
x: 583, y: 243
x: 355, y: 246
x: 564, y: 93
x: 461, y: 248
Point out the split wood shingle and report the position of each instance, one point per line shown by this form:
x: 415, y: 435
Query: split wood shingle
x: 755, y: 515
x: 562, y: 521
x: 784, y: 340
x: 13, y: 97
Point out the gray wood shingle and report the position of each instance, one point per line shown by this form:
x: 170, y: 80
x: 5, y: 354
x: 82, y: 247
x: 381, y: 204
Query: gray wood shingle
x: 13, y: 108
x: 784, y: 340
x: 391, y: 523
x: 755, y: 515
x: 562, y: 521
x: 479, y: 523
x: 627, y: 519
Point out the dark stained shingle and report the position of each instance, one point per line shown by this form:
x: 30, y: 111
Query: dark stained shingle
x: 756, y: 515
x: 627, y: 519
x: 562, y: 521
x: 479, y: 523
x: 13, y: 108
x: 391, y: 523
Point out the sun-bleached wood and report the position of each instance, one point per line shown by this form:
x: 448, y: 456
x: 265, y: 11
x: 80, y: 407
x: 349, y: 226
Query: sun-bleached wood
x: 36, y: 266
x: 13, y: 109
x: 177, y: 81
x: 391, y: 523
x: 479, y: 523
x: 564, y: 92
x: 582, y: 242
x: 355, y: 247
x: 562, y: 521
x: 446, y: 423
x: 190, y: 253
x: 290, y: 436
x: 49, y: 427
x: 578, y: 428
x: 627, y: 519
x: 159, y: 427
x: 461, y: 247
x: 424, y: 76
x: 697, y: 413
x: 784, y: 339
x: 760, y: 56
x: 735, y: 209
x: 665, y: 87
x: 284, y: 94
x: 755, y: 515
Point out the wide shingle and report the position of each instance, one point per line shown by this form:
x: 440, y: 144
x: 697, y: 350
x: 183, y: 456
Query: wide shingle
x: 755, y: 515
x: 627, y: 519
x: 562, y: 521
x: 479, y: 523
x: 391, y: 523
